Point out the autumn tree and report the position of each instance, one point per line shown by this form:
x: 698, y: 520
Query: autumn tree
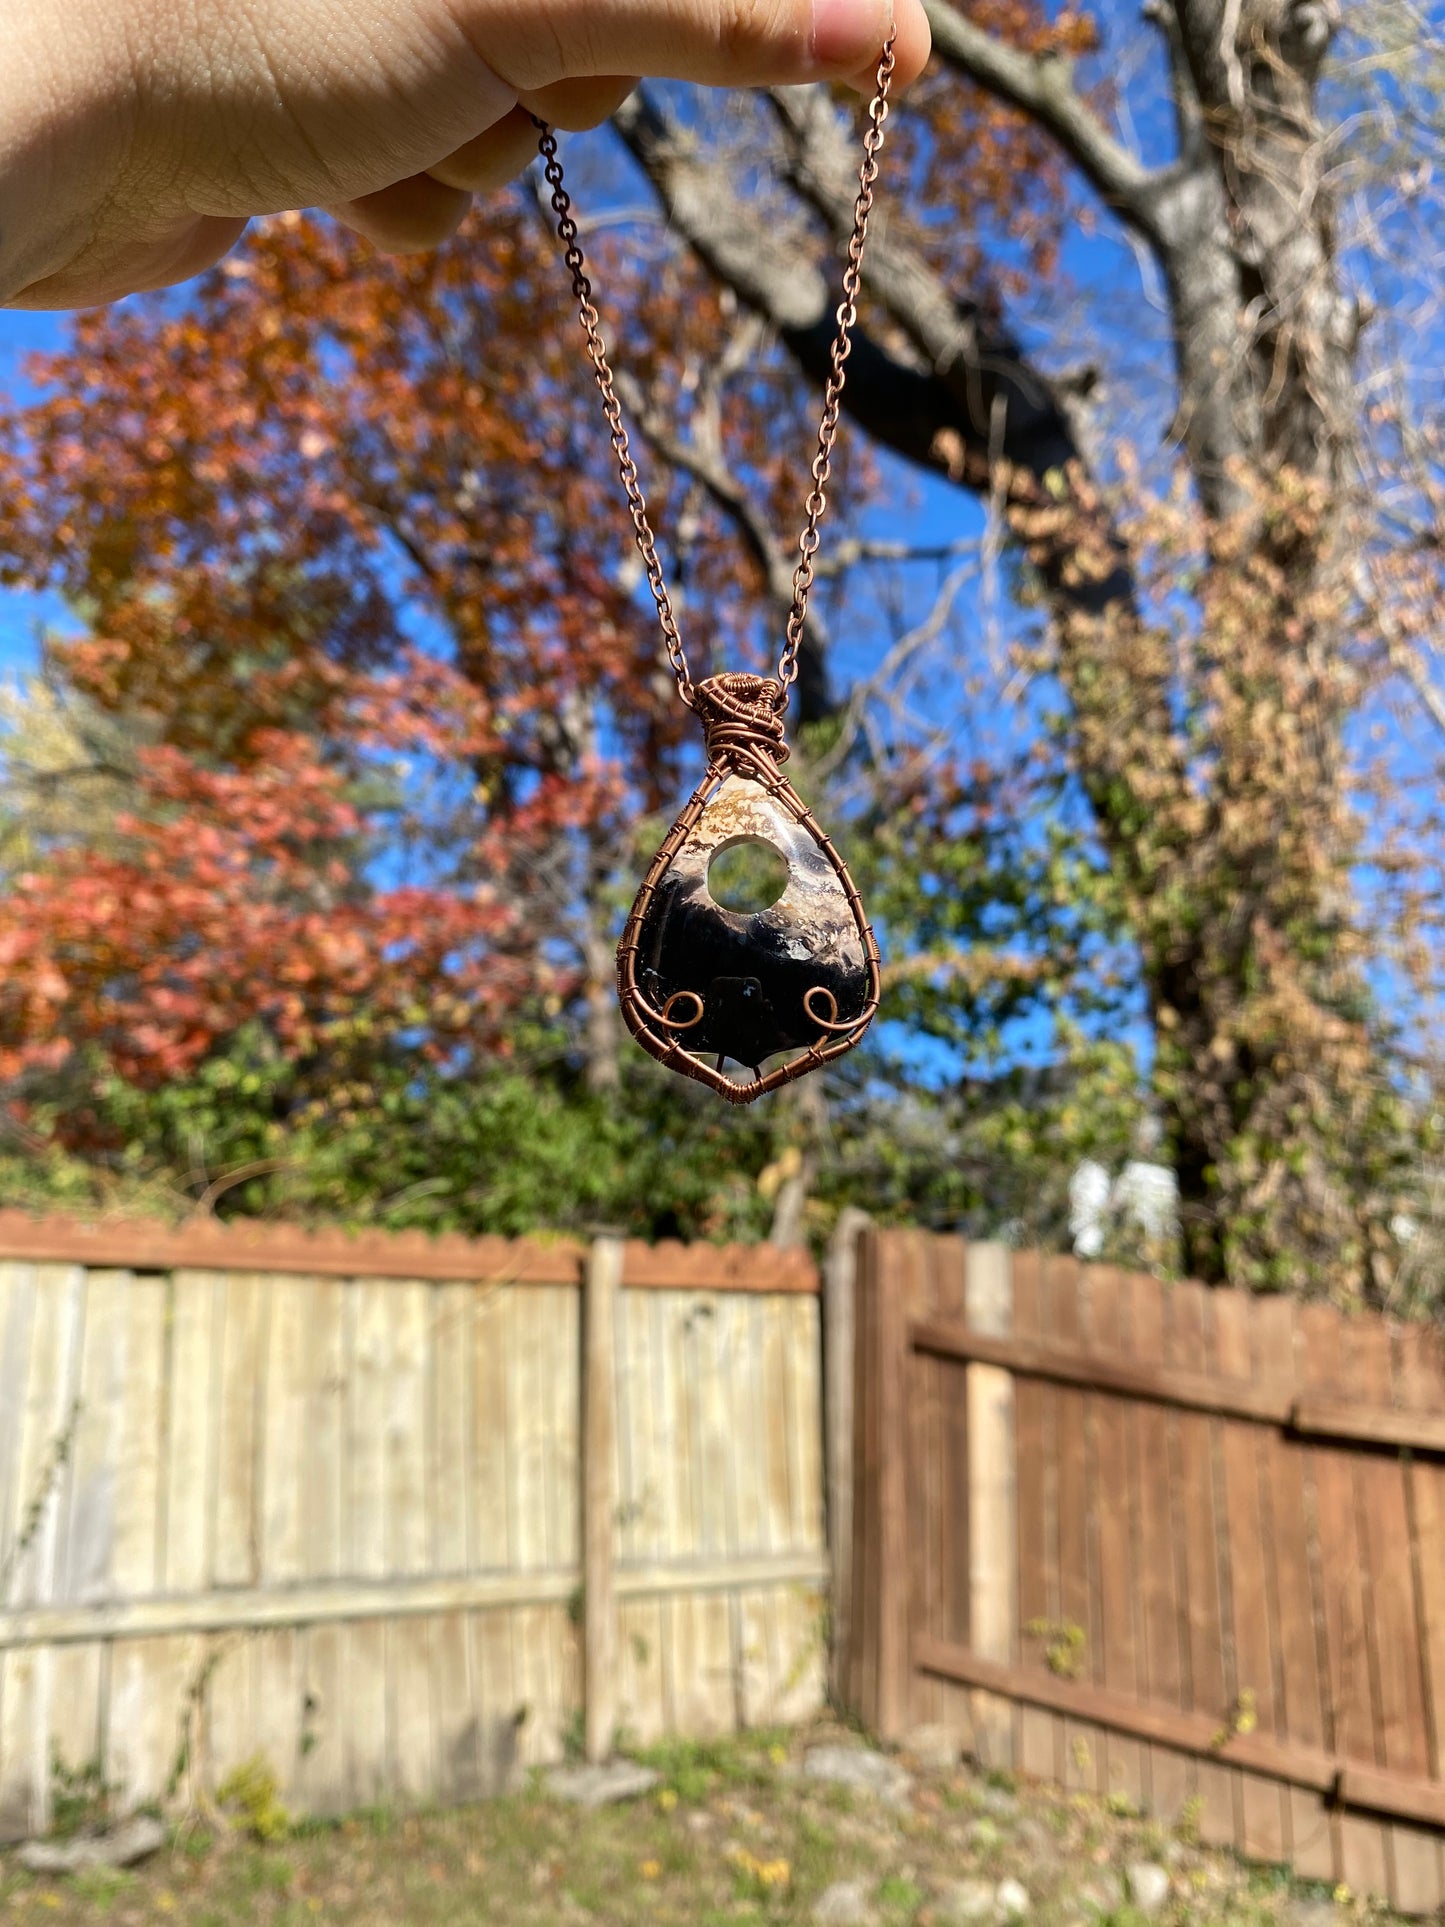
x: 1204, y: 615
x: 1092, y: 733
x: 320, y: 826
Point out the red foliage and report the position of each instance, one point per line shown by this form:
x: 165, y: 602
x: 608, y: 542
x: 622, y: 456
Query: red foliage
x: 345, y: 538
x: 349, y: 564
x: 235, y: 901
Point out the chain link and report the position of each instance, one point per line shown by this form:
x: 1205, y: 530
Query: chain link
x: 612, y: 409
x: 817, y: 500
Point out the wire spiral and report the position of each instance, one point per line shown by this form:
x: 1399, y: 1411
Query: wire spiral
x: 741, y: 716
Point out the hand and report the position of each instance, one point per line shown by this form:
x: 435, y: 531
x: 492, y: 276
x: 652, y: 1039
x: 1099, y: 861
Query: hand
x: 137, y: 137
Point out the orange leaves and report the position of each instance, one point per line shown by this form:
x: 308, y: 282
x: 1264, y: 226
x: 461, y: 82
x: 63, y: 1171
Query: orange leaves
x: 1000, y: 178
x: 425, y: 705
x: 234, y: 898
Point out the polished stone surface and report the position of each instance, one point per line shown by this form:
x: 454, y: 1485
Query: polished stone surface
x: 751, y: 972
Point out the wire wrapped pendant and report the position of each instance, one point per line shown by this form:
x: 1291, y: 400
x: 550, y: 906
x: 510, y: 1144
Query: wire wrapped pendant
x: 698, y: 981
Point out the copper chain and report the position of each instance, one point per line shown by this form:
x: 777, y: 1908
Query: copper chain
x: 847, y: 316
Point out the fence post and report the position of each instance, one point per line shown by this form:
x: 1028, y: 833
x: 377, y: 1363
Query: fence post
x: 992, y: 1496
x: 601, y: 1282
x: 840, y: 1274
x: 878, y: 1657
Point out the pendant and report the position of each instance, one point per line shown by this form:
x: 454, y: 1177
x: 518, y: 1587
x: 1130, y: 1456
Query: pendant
x: 699, y: 982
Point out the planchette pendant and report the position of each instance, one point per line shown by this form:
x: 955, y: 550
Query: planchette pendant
x: 702, y: 986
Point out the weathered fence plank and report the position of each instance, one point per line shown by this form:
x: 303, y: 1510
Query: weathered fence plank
x: 18, y: 1299
x: 1263, y: 1834
x: 1420, y: 1387
x: 950, y: 1280
x: 1167, y: 1773
x: 1401, y: 1740
x: 992, y: 1494
x: 410, y: 1501
x: 1078, y: 1603
x: 1118, y: 1567
x: 840, y: 1311
x: 1361, y: 1843
x: 1283, y: 1483
x: 922, y: 1413
x: 599, y: 1493
x: 1199, y: 1543
x: 32, y: 1540
x: 456, y: 1769
x: 1039, y: 1738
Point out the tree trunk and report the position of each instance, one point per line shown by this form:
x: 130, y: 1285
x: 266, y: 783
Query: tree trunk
x: 603, y: 1032
x: 1236, y: 878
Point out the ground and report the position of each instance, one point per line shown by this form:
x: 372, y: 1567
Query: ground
x: 733, y: 1833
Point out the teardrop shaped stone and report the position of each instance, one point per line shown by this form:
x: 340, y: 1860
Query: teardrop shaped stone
x: 751, y: 970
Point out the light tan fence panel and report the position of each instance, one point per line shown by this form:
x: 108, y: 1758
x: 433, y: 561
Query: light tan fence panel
x: 719, y: 1461
x: 321, y: 1770
x: 326, y: 1517
x: 490, y: 1531
x: 643, y: 1712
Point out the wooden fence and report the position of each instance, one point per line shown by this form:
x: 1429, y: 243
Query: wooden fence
x: 400, y: 1516
x: 343, y: 1504
x: 1178, y: 1547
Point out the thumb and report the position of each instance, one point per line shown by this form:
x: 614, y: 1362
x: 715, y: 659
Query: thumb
x: 723, y: 43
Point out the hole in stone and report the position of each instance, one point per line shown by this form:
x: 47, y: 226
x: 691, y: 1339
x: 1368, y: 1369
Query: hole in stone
x: 746, y: 876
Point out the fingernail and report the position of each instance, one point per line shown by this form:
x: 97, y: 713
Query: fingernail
x: 847, y: 32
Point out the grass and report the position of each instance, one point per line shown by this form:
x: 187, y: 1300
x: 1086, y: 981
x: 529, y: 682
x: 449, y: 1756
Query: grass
x: 733, y: 1836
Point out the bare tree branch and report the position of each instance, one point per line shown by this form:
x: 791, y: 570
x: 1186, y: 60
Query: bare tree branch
x: 867, y: 689
x: 701, y: 455
x: 1188, y: 116
x: 844, y: 555
x: 1042, y: 86
x: 934, y: 406
x: 1408, y: 664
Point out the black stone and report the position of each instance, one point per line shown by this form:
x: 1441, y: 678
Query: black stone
x: 752, y: 972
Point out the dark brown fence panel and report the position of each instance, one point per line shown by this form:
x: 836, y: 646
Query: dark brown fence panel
x: 1078, y: 1626
x: 1115, y: 1474
x: 1039, y: 1741
x: 1168, y: 1775
x: 1179, y: 1548
x: 878, y: 1671
x: 1261, y: 1801
x: 1420, y: 1388
x: 1199, y: 1537
x: 1285, y: 1481
x: 930, y: 1520
x: 950, y: 1270
x: 1402, y: 1743
x: 1342, y: 1575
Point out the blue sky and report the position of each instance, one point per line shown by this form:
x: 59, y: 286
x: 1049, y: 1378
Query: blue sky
x: 1102, y: 305
x: 23, y: 614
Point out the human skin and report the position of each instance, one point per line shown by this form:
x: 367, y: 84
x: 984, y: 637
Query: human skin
x: 137, y: 137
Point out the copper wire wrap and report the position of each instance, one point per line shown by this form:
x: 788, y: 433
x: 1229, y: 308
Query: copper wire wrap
x: 744, y: 732
x: 741, y: 714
